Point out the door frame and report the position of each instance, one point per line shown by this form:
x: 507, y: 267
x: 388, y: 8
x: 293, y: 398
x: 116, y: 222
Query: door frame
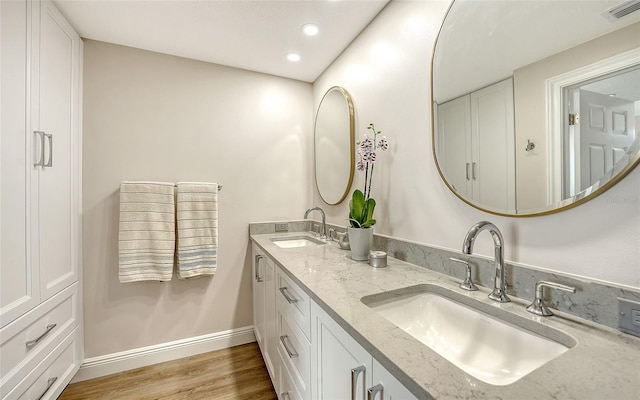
x: 556, y: 110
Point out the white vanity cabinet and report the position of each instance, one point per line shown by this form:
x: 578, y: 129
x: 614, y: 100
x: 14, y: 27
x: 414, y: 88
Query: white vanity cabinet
x: 343, y: 369
x: 40, y: 200
x: 308, y: 355
x: 476, y: 145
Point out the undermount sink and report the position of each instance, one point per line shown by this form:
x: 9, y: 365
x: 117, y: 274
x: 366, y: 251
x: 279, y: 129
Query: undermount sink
x: 483, y: 345
x: 296, y: 241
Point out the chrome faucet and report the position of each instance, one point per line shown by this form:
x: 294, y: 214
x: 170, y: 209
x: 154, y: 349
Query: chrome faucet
x: 324, y: 220
x: 499, y: 289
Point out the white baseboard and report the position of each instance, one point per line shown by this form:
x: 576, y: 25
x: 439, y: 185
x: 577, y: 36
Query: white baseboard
x: 96, y: 367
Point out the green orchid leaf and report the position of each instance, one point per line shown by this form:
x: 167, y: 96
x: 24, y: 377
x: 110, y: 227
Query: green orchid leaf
x: 370, y: 206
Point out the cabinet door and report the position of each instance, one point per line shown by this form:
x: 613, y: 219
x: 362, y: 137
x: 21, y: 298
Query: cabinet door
x: 392, y: 388
x: 341, y: 368
x: 19, y: 292
x: 270, y: 332
x: 258, y: 299
x: 57, y: 110
x: 493, y: 146
x: 454, y: 144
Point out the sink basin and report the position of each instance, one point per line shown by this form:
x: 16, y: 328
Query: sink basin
x: 483, y: 345
x: 296, y: 241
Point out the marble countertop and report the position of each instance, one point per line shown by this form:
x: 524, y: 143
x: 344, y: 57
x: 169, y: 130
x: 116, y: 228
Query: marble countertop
x: 604, y: 364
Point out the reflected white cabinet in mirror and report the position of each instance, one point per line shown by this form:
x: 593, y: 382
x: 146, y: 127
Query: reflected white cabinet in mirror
x: 334, y: 145
x: 568, y: 146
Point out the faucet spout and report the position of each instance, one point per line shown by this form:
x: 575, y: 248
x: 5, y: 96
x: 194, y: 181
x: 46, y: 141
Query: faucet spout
x: 499, y: 287
x: 324, y: 219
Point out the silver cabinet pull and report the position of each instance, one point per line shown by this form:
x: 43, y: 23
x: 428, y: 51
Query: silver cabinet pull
x: 34, y: 342
x: 473, y: 171
x: 41, y: 162
x: 256, y: 268
x: 467, y: 170
x: 286, y: 295
x: 284, y: 395
x: 373, y: 392
x: 50, y: 162
x: 355, y: 372
x: 50, y: 383
x: 290, y: 351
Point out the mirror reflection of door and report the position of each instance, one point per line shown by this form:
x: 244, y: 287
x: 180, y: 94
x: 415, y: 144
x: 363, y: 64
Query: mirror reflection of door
x: 602, y: 128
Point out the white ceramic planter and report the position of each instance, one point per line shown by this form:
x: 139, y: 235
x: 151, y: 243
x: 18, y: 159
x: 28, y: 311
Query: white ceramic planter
x: 360, y: 240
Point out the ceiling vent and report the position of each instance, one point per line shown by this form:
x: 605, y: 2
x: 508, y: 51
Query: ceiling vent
x: 622, y: 10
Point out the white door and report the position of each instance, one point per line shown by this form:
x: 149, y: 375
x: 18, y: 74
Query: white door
x: 270, y: 331
x: 454, y: 144
x: 19, y: 291
x: 258, y: 300
x: 342, y: 367
x: 606, y: 131
x: 392, y: 388
x: 55, y: 115
x: 493, y: 137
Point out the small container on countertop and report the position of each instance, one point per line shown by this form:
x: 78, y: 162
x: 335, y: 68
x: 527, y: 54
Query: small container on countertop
x: 378, y: 259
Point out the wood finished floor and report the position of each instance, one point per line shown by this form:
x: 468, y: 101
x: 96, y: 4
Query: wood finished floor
x: 234, y: 373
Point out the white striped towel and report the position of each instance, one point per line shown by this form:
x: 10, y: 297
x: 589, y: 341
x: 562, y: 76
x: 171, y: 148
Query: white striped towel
x: 147, y: 237
x: 197, y: 224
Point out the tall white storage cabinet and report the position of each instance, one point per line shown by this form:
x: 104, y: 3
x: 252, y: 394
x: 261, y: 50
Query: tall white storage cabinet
x: 40, y: 245
x: 476, y: 146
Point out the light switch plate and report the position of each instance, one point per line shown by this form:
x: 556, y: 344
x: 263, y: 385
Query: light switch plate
x: 284, y: 227
x: 629, y: 316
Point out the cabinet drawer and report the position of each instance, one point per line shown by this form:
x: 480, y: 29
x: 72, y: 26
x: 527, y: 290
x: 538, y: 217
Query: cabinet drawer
x: 26, y: 341
x: 295, y: 351
x: 287, y: 388
x: 52, y: 375
x: 293, y: 302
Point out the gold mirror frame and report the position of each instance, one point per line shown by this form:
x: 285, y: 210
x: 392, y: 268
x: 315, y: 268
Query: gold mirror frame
x: 351, y: 138
x: 582, y: 197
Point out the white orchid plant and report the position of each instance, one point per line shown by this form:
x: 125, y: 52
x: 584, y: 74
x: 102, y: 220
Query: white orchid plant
x: 362, y: 205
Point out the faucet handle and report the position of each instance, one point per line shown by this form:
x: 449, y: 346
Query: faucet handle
x: 468, y: 283
x: 538, y: 307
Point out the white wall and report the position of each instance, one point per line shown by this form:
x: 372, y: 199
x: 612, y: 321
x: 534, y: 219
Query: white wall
x: 149, y: 116
x: 387, y: 72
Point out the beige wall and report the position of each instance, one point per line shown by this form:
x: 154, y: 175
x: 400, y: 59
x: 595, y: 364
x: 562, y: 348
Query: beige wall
x: 149, y: 116
x: 531, y: 108
x: 386, y: 70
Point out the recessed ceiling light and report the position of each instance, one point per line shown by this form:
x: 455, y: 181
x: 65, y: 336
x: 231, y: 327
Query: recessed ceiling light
x: 310, y: 29
x: 293, y: 57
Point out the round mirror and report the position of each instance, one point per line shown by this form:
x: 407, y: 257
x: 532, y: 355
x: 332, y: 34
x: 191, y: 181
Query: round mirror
x: 536, y: 104
x: 334, y: 145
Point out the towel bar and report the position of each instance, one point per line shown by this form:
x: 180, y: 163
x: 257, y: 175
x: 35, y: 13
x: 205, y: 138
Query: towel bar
x: 219, y: 187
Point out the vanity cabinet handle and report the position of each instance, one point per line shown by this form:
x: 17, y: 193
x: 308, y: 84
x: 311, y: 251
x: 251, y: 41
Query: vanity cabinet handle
x: 256, y: 268
x: 373, y: 392
x: 467, y: 170
x: 473, y: 171
x: 50, y: 383
x: 285, y: 292
x: 34, y: 342
x: 50, y: 162
x: 290, y: 351
x: 41, y: 162
x: 355, y: 372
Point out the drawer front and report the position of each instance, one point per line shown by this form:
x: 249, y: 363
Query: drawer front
x: 287, y: 387
x: 51, y: 376
x: 295, y: 351
x: 26, y: 341
x: 294, y: 302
